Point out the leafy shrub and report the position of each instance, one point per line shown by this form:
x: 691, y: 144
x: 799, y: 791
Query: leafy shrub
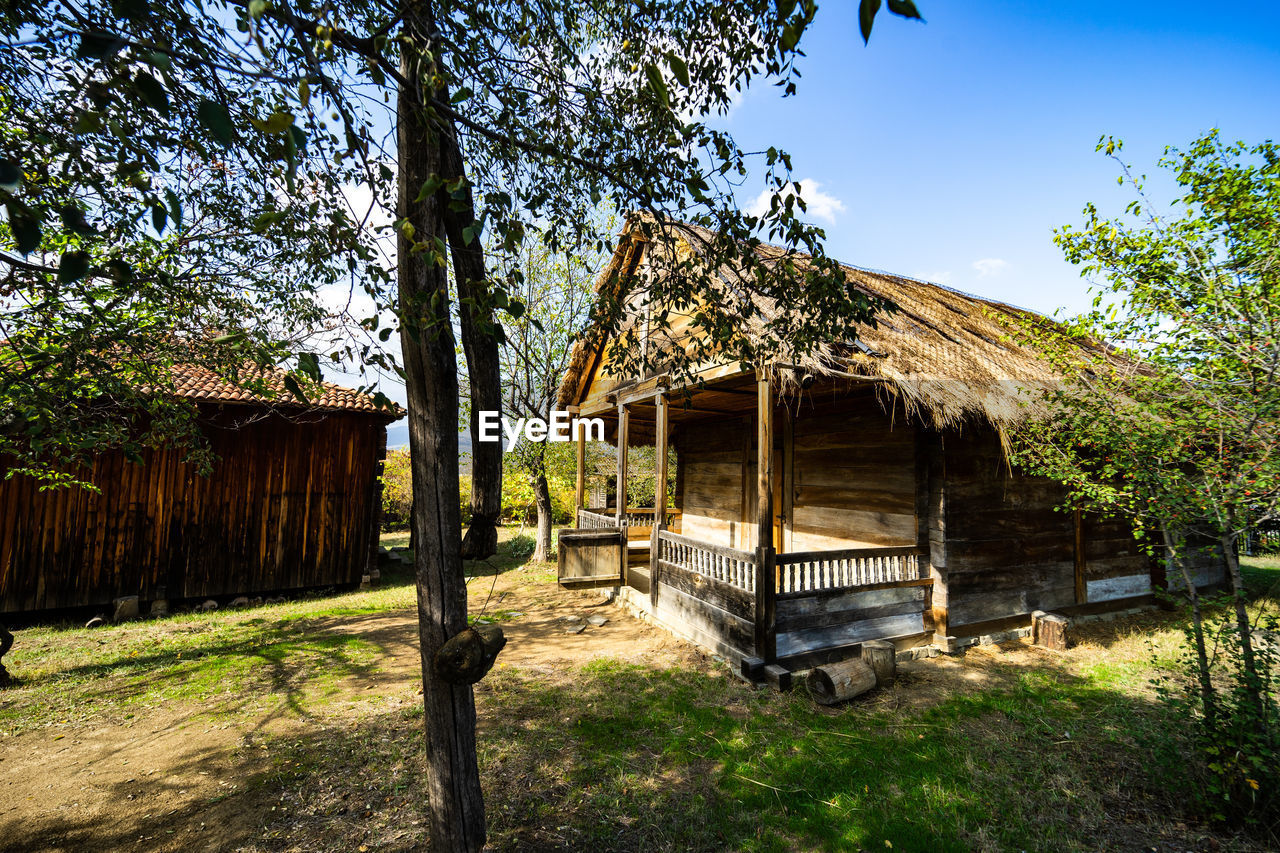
x: 1236, y: 749
x: 397, y: 491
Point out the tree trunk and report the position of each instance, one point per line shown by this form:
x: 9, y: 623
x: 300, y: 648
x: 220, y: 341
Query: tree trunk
x: 1208, y: 700
x: 431, y: 384
x: 542, y: 499
x: 480, y: 343
x: 1253, y: 681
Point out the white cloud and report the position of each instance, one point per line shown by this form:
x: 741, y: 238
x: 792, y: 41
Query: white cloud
x: 938, y: 277
x: 820, y: 205
x: 990, y: 266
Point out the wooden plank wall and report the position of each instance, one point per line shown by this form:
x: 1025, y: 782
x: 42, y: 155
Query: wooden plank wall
x: 845, y: 469
x: 1113, y: 562
x: 854, y: 474
x: 712, y: 613
x: 812, y: 622
x: 712, y: 475
x: 288, y: 506
x: 1007, y: 550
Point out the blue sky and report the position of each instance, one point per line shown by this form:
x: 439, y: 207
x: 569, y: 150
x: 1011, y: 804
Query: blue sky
x: 950, y: 150
x: 969, y: 138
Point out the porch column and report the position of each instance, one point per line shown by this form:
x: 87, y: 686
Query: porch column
x: 659, y: 490
x: 765, y: 634
x: 580, y: 487
x: 621, y: 509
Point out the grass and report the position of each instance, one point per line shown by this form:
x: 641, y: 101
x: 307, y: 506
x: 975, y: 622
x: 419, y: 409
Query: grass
x: 1013, y: 750
x: 241, y: 659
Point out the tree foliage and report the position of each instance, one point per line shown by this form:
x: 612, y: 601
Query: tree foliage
x: 1174, y: 419
x: 218, y: 168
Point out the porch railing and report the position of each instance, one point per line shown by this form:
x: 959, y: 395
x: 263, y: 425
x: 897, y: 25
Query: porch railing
x: 595, y: 520
x: 737, y: 568
x: 808, y: 571
x: 597, y: 517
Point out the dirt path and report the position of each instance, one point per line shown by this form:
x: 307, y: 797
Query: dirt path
x: 192, y: 778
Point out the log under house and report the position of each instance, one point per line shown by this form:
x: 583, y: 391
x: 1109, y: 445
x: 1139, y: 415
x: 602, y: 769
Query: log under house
x: 862, y: 495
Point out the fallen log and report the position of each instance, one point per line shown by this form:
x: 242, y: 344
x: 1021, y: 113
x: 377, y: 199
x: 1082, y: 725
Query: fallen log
x: 836, y: 682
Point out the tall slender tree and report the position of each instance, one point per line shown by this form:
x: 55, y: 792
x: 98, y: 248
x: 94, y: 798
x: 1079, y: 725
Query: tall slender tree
x: 292, y: 130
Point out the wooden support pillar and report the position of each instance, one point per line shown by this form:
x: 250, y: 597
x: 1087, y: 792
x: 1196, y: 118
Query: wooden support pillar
x: 659, y: 492
x: 766, y: 582
x: 580, y: 486
x: 621, y: 500
x: 1082, y: 586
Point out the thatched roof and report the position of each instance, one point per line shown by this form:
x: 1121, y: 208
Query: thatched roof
x: 949, y: 356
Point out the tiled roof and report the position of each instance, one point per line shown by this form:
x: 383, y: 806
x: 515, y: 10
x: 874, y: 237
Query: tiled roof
x: 203, y: 385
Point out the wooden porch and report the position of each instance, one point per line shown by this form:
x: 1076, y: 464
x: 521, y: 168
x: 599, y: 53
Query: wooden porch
x: 771, y: 610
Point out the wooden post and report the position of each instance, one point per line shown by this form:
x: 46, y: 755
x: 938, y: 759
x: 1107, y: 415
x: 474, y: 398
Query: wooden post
x: 766, y: 583
x: 621, y: 489
x: 659, y: 491
x: 580, y: 493
x: 1082, y: 587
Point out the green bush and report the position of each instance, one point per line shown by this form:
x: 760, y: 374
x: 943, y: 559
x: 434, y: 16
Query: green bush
x: 1236, y: 751
x: 397, y: 491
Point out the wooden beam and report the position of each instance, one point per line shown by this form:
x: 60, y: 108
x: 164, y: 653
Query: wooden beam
x: 621, y: 500
x: 659, y: 495
x: 1082, y: 588
x: 580, y: 491
x: 766, y: 581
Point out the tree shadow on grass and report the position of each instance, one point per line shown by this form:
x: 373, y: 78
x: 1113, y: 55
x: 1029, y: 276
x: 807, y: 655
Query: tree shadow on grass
x: 622, y: 757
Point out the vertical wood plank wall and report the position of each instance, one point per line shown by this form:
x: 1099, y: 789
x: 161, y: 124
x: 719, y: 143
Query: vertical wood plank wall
x: 289, y: 505
x: 848, y: 469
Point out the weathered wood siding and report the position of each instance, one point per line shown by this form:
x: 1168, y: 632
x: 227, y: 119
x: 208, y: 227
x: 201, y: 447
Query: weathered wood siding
x: 1007, y: 549
x: 710, y: 612
x: 845, y: 477
x: 289, y: 505
x: 814, y: 621
x: 853, y: 477
x: 714, y: 480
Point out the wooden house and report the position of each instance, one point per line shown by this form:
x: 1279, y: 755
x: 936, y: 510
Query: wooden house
x: 865, y: 494
x: 293, y: 502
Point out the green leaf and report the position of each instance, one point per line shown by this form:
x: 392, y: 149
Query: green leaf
x: 73, y: 220
x: 10, y: 175
x: 309, y: 366
x: 120, y: 270
x: 159, y: 216
x: 256, y: 8
x: 175, y: 207
x: 99, y: 45
x: 26, y: 233
x: 277, y: 122
x: 679, y: 69
x: 216, y: 120
x: 790, y: 37
x: 299, y: 137
x: 150, y: 90
x: 25, y: 228
x: 867, y: 10
x: 73, y: 266
x: 230, y: 338
x: 905, y: 9
x: 291, y: 385
x: 657, y: 84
